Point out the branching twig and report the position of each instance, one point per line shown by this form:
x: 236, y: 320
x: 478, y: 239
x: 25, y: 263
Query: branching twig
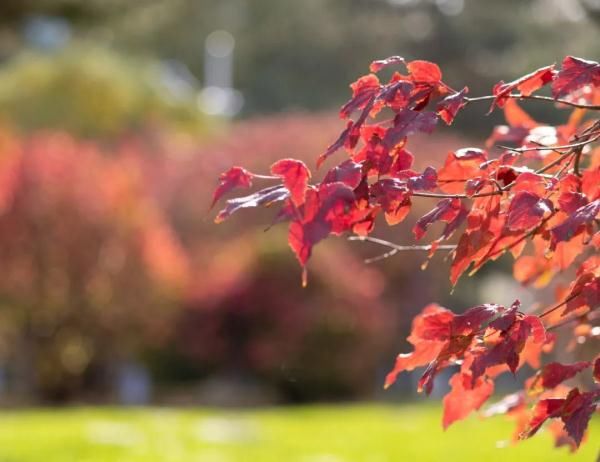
x: 549, y: 99
x: 552, y: 148
x: 395, y: 248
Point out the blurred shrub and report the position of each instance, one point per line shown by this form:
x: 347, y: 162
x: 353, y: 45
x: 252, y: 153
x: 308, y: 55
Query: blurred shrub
x: 322, y: 342
x: 91, y: 267
x: 96, y: 92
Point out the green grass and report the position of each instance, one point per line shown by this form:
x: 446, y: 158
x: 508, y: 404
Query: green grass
x: 365, y: 433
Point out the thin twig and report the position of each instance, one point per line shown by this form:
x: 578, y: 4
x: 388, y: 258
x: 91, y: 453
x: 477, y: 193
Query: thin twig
x: 577, y: 153
x: 538, y: 98
x: 552, y: 148
x: 396, y: 247
x: 558, y: 305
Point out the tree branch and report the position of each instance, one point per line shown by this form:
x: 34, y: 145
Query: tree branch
x: 395, y: 248
x: 549, y: 99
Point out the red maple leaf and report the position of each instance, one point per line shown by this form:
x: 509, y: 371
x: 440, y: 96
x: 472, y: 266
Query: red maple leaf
x: 526, y: 85
x: 465, y: 397
x: 575, y: 222
x: 408, y: 122
x: 527, y: 210
x: 235, y: 177
x: 447, y: 210
x: 324, y: 212
x: 450, y: 105
x: 575, y: 411
x: 376, y: 66
x: 264, y: 197
x: 348, y: 172
x: 553, y: 374
x: 295, y: 177
x: 575, y: 73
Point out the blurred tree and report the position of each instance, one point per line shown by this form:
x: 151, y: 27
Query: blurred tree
x: 91, y: 267
x: 314, y: 44
x: 92, y: 91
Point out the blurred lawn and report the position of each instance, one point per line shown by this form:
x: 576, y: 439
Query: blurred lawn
x: 366, y: 433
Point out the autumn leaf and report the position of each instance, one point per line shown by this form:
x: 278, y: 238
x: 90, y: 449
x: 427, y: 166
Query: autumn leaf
x: 235, y: 177
x: 324, y: 212
x: 376, y: 66
x: 575, y: 222
x: 575, y: 73
x: 364, y: 90
x: 295, y: 177
x: 526, y: 85
x: 553, y: 374
x: 424, y: 71
x: 337, y: 144
x: 526, y: 211
x: 575, y: 411
x: 408, y: 122
x: 460, y: 166
x: 446, y: 210
x: 464, y: 397
x: 450, y: 105
x: 263, y: 197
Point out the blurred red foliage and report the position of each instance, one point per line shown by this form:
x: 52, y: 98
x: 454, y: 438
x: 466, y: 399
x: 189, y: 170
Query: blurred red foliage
x: 107, y: 253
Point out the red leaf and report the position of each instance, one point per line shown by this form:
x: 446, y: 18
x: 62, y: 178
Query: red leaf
x: 235, y: 177
x: 394, y: 198
x: 538, y: 331
x: 424, y: 353
x: 526, y: 85
x: 571, y: 201
x: 575, y: 411
x: 586, y: 292
x: 459, y: 167
x: 348, y: 172
x: 263, y: 197
x: 376, y: 66
x: 403, y: 160
x: 574, y: 224
x: 476, y: 318
x: 363, y: 92
x: 337, y: 144
x: 464, y: 397
x: 323, y: 213
x: 544, y: 410
x: 553, y: 374
x: 446, y: 210
x: 295, y: 177
x: 450, y: 105
x: 505, y: 352
x: 430, y: 331
x: 597, y: 370
x: 526, y: 211
x: 575, y: 73
x: 408, y: 122
x: 424, y: 71
x: 426, y: 181
x: 590, y: 183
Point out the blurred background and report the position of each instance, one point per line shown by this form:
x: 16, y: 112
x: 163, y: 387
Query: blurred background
x: 116, y: 117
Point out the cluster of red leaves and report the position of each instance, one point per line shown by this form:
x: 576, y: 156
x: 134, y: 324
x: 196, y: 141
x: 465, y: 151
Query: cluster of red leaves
x: 538, y: 200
